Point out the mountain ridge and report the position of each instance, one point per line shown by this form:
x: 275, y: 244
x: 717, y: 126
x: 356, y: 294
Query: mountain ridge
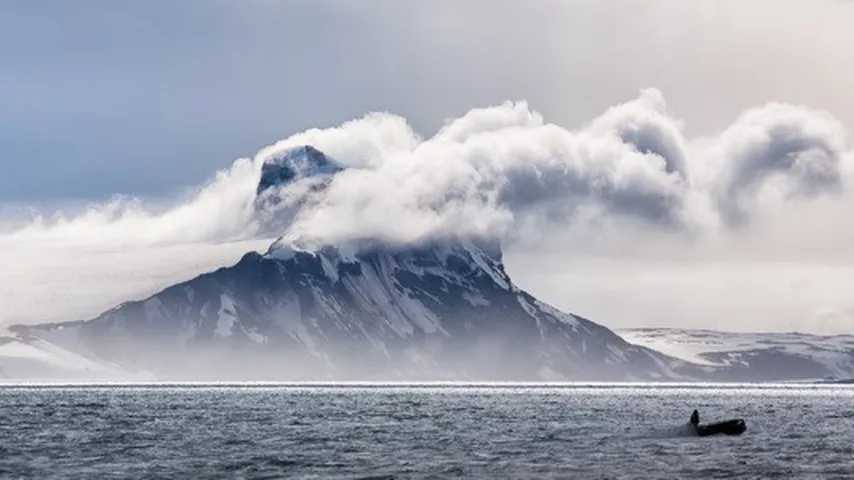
x: 747, y: 356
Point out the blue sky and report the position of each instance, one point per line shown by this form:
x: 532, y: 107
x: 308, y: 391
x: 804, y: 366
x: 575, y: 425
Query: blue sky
x: 149, y: 98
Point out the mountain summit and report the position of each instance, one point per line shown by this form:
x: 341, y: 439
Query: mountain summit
x: 300, y: 162
x: 441, y: 310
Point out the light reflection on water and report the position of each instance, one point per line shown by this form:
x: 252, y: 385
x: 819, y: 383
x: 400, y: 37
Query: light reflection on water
x: 419, y: 430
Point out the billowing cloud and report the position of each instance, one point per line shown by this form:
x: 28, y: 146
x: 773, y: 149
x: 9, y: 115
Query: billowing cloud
x: 483, y: 172
x: 644, y: 124
x: 500, y: 171
x: 496, y: 168
x: 486, y: 171
x: 778, y: 151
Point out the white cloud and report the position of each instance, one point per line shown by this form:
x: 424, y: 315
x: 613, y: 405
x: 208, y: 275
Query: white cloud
x: 221, y: 210
x: 72, y: 266
x: 485, y: 170
x: 775, y: 153
x: 627, y: 183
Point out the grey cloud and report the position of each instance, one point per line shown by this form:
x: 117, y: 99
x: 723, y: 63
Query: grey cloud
x: 644, y: 124
x: 491, y: 166
x: 487, y: 171
x: 791, y: 151
x: 493, y: 172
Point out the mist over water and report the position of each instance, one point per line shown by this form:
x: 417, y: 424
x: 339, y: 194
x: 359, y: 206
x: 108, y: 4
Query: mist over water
x: 416, y: 431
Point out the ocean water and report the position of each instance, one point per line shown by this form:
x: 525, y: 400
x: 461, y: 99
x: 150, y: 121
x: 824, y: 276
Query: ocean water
x: 423, y: 431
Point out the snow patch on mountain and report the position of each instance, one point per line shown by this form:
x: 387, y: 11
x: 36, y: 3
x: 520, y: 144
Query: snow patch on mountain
x: 793, y: 355
x: 226, y: 316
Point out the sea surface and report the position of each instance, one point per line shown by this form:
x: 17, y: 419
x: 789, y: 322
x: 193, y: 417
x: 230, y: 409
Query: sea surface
x: 423, y: 431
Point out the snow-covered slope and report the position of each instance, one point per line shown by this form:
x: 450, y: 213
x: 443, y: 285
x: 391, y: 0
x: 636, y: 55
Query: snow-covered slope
x: 442, y: 309
x: 439, y: 311
x: 33, y: 359
x: 754, y: 356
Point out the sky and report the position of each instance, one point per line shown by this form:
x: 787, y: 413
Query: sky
x: 121, y: 126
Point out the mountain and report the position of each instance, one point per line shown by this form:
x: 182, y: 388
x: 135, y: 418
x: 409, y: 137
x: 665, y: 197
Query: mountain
x: 33, y: 359
x: 444, y: 309
x: 754, y: 356
x: 439, y: 311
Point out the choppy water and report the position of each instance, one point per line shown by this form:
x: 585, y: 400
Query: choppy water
x: 422, y: 431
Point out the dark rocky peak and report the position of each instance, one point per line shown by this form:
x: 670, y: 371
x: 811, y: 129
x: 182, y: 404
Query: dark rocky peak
x: 298, y: 162
x: 290, y: 182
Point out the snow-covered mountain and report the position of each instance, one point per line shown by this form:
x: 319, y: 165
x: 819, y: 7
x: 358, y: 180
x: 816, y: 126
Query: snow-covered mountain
x: 754, y: 356
x: 443, y: 309
x: 439, y: 311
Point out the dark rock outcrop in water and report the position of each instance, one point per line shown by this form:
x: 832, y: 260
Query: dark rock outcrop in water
x: 441, y: 310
